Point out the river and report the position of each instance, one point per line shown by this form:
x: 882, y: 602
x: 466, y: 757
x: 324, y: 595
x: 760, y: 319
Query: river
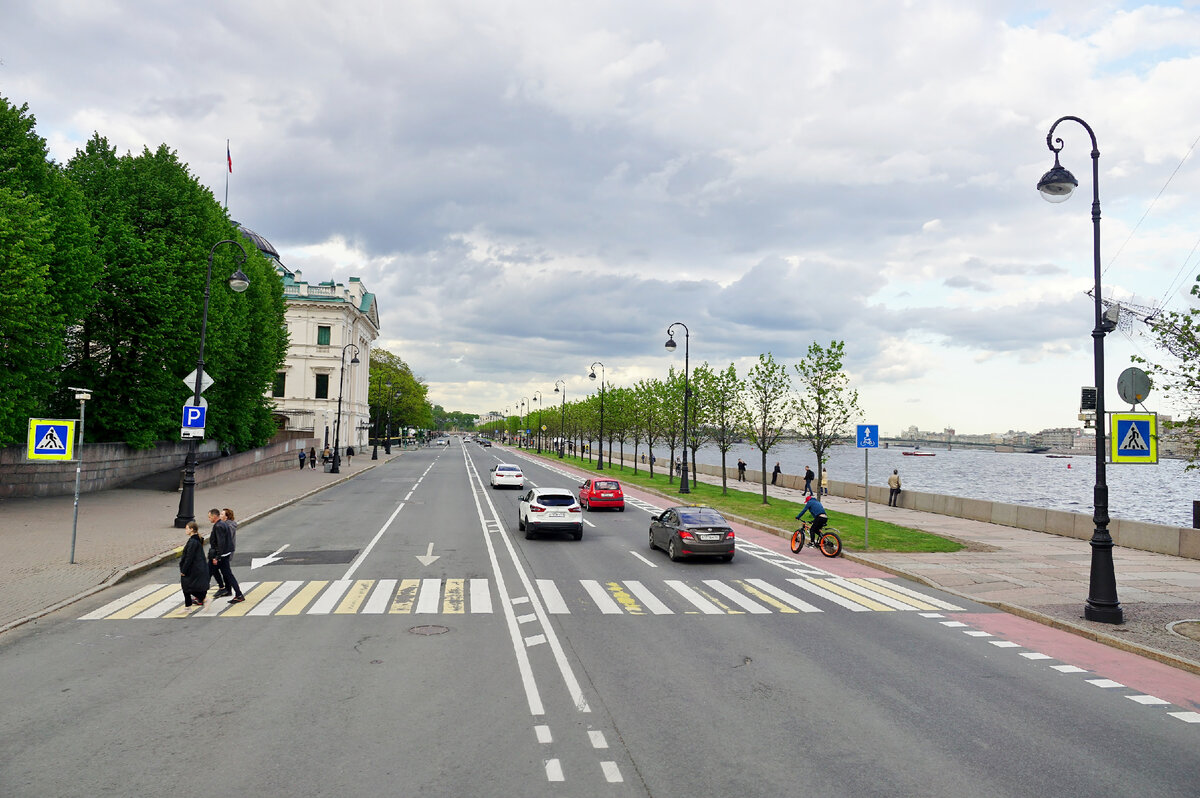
x: 1160, y: 494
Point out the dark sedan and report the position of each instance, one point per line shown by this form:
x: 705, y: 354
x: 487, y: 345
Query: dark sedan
x: 687, y: 531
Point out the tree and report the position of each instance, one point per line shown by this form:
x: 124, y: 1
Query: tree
x: 1178, y: 375
x: 724, y: 392
x: 406, y: 399
x: 670, y: 413
x: 769, y: 408
x: 826, y: 406
x: 647, y: 410
x: 699, y: 410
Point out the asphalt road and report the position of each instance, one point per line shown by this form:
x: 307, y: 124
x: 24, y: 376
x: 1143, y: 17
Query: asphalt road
x: 409, y: 641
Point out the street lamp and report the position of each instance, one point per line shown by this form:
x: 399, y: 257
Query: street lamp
x: 387, y: 441
x: 670, y: 345
x: 525, y: 409
x: 238, y: 283
x: 537, y: 397
x: 592, y: 376
x: 562, y: 424
x: 1056, y: 186
x: 375, y: 446
x: 337, y: 422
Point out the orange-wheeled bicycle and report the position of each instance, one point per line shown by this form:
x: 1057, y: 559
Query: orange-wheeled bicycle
x: 828, y: 540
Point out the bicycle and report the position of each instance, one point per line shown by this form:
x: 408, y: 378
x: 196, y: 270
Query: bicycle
x: 828, y: 541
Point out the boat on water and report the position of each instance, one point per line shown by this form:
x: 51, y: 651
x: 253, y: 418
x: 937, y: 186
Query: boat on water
x: 919, y: 454
x: 1061, y: 456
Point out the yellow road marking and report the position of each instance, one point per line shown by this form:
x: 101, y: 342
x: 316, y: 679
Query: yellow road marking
x: 857, y: 598
x: 454, y: 600
x: 406, y: 594
x: 622, y: 596
x: 298, y: 602
x: 721, y: 605
x: 143, y: 604
x: 260, y: 592
x: 355, y: 596
x: 765, y: 598
x: 878, y: 588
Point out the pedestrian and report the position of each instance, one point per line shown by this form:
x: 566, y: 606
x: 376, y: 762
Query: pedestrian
x: 775, y: 473
x: 193, y: 568
x: 678, y: 466
x: 326, y: 455
x: 824, y: 481
x: 312, y: 458
x: 809, y: 476
x: 643, y: 458
x: 741, y: 470
x: 350, y: 453
x: 303, y: 454
x: 894, y: 493
x: 223, y: 542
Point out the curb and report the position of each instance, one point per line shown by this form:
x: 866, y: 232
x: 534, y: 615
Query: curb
x: 1066, y: 626
x: 145, y: 565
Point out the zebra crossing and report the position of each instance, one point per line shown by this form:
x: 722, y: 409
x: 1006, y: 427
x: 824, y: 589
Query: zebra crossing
x: 475, y: 596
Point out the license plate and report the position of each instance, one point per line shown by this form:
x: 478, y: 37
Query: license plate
x: 606, y: 495
x: 710, y: 537
x: 556, y: 515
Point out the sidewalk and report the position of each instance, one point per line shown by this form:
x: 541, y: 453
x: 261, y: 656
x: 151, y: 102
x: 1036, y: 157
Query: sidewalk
x: 122, y: 532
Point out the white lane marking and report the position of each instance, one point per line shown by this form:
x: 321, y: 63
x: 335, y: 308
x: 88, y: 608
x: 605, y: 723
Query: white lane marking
x: 828, y: 595
x: 1035, y: 655
x: 597, y: 738
x: 332, y: 595
x: 1004, y: 644
x: 1104, y: 683
x: 643, y: 559
x: 783, y: 595
x: 651, y: 601
x: 381, y: 597
x: 519, y: 600
x: 931, y: 615
x: 409, y: 496
x: 699, y: 602
x: 526, y: 618
x: 976, y: 633
x: 1186, y: 717
x: 481, y: 597
x: 554, y: 771
x: 543, y: 734
x: 954, y: 624
x: 1148, y: 700
x: 612, y: 773
x: 1067, y: 669
x: 746, y: 603
x: 277, y: 597
x: 120, y: 603
x: 362, y: 555
x: 428, y: 600
x: 589, y: 523
x: 600, y: 596
x: 166, y: 605
x: 534, y: 640
x: 552, y: 598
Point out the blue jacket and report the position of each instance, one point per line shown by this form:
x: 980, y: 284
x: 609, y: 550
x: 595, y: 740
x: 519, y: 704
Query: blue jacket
x: 812, y: 506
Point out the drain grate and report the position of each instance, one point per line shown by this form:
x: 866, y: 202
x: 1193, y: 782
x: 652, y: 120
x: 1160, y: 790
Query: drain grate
x: 431, y: 629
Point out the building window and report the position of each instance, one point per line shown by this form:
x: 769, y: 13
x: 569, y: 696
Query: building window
x: 280, y: 382
x: 323, y: 385
x: 322, y: 335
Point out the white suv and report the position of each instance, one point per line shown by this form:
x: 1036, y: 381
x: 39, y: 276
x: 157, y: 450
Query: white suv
x: 507, y: 475
x: 550, y: 510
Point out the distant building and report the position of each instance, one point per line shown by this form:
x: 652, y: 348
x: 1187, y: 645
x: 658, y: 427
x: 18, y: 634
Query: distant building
x: 1058, y: 438
x: 322, y: 320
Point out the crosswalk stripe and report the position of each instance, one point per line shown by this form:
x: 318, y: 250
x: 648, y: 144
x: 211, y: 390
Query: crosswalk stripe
x: 623, y: 598
x: 427, y: 599
x: 302, y: 599
x: 552, y: 600
x: 807, y: 584
x: 169, y: 602
x: 273, y: 602
x: 832, y: 585
x: 406, y: 596
x: 120, y: 603
x: 766, y: 599
x: 454, y: 599
x: 324, y: 605
x: 381, y: 597
x: 737, y: 598
x: 145, y: 602
x: 651, y: 601
x: 699, y: 602
x: 944, y: 605
x: 886, y: 590
x: 600, y: 596
x: 783, y: 595
x: 481, y: 596
x: 355, y: 596
x: 876, y: 595
x: 254, y: 593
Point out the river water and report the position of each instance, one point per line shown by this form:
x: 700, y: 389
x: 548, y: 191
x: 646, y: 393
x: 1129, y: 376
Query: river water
x: 1160, y: 494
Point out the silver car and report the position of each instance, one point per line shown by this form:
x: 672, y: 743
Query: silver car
x: 550, y: 510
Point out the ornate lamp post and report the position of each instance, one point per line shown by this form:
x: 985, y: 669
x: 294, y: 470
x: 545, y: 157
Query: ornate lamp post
x: 540, y: 400
x: 375, y: 446
x: 525, y: 410
x: 592, y: 376
x: 238, y: 283
x: 387, y: 442
x: 1056, y: 186
x: 337, y: 422
x: 670, y: 345
x: 562, y: 423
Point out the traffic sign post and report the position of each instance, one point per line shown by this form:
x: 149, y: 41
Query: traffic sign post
x: 51, y: 439
x: 867, y: 439
x: 1133, y: 438
x: 194, y: 416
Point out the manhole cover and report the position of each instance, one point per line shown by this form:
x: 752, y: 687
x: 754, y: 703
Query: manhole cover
x: 429, y: 630
x: 1189, y: 628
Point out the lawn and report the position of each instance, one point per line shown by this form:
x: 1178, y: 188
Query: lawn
x: 779, y: 513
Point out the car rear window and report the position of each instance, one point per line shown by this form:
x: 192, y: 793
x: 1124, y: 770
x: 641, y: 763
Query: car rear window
x: 702, y: 516
x: 555, y: 500
x: 606, y: 485
x: 507, y: 468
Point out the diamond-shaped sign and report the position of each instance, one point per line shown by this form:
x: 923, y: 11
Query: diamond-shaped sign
x: 205, y: 381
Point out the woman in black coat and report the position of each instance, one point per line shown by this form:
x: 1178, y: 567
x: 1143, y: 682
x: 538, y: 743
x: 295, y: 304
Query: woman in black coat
x: 193, y: 568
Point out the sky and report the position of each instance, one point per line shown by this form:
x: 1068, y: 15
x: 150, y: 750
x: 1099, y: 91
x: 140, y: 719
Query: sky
x: 531, y: 187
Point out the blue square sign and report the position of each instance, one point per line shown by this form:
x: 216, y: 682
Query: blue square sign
x: 868, y: 436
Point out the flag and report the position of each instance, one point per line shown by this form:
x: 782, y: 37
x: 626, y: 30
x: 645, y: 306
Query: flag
x: 228, y: 157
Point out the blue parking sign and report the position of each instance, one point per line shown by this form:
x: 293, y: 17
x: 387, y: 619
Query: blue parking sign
x: 868, y: 436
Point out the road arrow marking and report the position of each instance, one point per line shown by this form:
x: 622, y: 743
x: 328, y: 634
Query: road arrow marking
x: 428, y: 557
x: 256, y: 562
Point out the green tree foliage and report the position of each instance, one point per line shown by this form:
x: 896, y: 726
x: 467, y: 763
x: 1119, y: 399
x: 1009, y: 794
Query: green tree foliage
x: 1178, y: 374
x: 406, y: 398
x: 723, y: 392
x: 827, y: 406
x: 768, y: 409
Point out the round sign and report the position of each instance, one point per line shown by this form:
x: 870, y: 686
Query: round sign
x: 1133, y: 386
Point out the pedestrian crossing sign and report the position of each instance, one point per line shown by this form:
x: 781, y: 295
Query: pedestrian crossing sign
x: 51, y: 439
x: 1133, y: 437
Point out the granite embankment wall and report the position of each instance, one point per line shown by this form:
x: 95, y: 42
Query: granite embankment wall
x: 114, y: 465
x: 1173, y: 540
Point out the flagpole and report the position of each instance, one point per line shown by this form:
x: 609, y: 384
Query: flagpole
x: 229, y: 162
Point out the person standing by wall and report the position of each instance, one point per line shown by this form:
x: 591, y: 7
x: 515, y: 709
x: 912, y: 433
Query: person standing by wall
x: 824, y: 481
x: 809, y: 476
x: 741, y: 470
x: 312, y: 458
x: 303, y: 455
x: 193, y: 568
x: 775, y: 473
x: 223, y: 542
x: 894, y: 493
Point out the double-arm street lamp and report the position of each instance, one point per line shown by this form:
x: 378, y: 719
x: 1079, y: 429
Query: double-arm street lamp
x: 537, y: 397
x: 337, y: 423
x: 670, y: 345
x: 387, y: 441
x: 526, y: 409
x: 238, y: 283
x: 592, y: 376
x: 562, y: 422
x: 1056, y: 186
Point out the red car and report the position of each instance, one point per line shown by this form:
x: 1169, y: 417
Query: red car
x: 601, y: 493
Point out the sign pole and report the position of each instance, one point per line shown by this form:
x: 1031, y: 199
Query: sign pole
x: 866, y: 498
x: 78, y: 474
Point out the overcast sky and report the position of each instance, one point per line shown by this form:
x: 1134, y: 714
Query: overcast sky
x: 529, y: 187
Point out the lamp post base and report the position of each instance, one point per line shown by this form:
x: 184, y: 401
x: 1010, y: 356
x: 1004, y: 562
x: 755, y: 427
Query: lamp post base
x: 1104, y: 613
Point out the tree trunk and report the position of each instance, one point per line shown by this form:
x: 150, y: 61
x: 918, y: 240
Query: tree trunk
x: 764, y: 475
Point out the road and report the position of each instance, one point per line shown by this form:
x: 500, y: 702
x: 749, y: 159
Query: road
x: 407, y: 640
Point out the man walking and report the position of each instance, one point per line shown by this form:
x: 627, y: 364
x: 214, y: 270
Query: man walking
x: 809, y: 476
x: 894, y: 493
x: 222, y: 544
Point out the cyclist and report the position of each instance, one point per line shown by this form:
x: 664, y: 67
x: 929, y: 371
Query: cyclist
x: 817, y: 510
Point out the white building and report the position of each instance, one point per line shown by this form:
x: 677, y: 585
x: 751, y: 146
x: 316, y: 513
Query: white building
x: 326, y: 323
